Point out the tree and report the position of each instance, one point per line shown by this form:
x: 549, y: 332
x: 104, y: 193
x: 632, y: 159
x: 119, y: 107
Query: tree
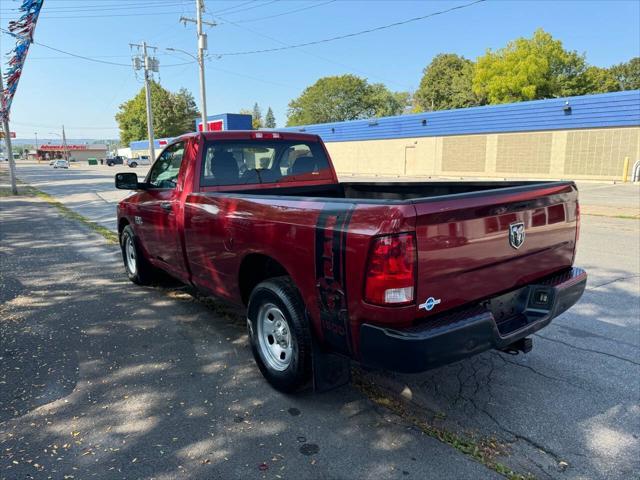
x: 270, y: 119
x: 257, y: 116
x: 173, y: 114
x: 530, y: 69
x: 599, y: 80
x: 388, y: 103
x: 627, y: 74
x: 344, y: 97
x: 446, y: 83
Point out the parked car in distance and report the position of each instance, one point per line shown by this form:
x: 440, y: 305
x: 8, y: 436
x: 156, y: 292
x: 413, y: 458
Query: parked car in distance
x: 61, y: 164
x: 400, y: 276
x: 141, y: 160
x: 117, y: 160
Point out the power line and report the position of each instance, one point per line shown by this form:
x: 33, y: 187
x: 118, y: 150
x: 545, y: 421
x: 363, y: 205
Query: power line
x: 94, y: 8
x: 235, y: 6
x: 328, y: 60
x: 315, y: 5
x: 264, y: 4
x: 89, y: 59
x: 133, y: 14
x: 350, y: 35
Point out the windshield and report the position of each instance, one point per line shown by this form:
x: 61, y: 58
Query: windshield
x: 241, y: 162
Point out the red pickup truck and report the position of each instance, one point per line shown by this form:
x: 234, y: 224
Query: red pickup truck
x: 402, y: 276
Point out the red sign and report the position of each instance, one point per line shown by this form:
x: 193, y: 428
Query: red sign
x: 214, y: 126
x: 11, y: 134
x: 62, y: 148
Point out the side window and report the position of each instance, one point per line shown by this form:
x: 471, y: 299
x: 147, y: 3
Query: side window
x: 304, y: 161
x: 164, y: 172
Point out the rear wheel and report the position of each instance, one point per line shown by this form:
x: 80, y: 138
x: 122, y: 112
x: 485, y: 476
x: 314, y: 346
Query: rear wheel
x: 133, y: 164
x: 138, y: 269
x: 279, y: 334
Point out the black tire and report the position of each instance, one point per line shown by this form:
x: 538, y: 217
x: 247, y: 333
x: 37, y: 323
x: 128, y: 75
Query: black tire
x: 283, y: 294
x: 143, y: 273
x: 133, y: 164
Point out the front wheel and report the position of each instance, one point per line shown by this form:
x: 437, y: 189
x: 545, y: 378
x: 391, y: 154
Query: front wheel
x: 279, y: 335
x: 133, y: 165
x: 138, y: 269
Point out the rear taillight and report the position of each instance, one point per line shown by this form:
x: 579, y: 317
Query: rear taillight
x: 391, y: 270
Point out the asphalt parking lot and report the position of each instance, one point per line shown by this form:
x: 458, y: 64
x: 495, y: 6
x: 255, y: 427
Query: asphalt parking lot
x: 129, y: 369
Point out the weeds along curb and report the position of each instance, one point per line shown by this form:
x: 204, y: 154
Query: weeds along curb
x: 66, y: 212
x: 482, y: 450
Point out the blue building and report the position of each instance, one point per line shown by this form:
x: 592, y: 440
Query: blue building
x: 226, y: 121
x: 581, y: 137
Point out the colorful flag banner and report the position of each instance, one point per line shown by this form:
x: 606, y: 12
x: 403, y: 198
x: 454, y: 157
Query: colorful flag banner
x: 22, y: 29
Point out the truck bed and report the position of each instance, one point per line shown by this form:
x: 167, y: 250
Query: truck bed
x: 462, y: 230
x: 394, y: 191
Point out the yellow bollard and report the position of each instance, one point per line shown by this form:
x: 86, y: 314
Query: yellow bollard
x: 625, y: 169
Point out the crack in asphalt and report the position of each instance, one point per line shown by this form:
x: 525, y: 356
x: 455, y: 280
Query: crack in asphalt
x: 523, y: 438
x: 624, y: 359
x: 613, y: 281
x: 532, y: 369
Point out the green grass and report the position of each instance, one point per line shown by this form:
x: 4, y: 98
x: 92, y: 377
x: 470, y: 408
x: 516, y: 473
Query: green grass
x: 108, y: 235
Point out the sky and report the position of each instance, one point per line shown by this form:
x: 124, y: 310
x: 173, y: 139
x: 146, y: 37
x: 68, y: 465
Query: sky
x: 58, y: 89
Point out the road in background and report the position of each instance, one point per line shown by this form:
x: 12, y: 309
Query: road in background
x: 88, y: 190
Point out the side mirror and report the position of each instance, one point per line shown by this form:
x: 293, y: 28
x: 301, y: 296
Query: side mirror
x: 127, y: 181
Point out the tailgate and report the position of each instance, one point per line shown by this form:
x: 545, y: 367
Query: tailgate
x: 476, y: 245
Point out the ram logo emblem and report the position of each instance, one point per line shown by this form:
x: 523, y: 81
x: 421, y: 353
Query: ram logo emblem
x: 516, y: 234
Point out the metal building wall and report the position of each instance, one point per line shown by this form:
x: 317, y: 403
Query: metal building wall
x: 578, y: 154
x: 585, y: 137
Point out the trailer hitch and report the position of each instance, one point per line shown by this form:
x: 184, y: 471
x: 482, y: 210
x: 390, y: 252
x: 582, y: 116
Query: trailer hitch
x: 523, y: 345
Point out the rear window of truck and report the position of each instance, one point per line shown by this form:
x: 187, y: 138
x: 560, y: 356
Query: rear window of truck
x: 236, y: 162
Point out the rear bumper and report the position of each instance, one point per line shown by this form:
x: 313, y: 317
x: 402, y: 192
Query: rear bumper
x: 496, y: 323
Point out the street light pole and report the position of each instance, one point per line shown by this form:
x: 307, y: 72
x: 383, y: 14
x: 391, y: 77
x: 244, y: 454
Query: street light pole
x: 202, y: 46
x: 149, y: 64
x: 64, y: 145
x: 37, y: 156
x: 147, y: 93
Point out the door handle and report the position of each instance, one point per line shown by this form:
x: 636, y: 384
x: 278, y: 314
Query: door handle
x: 166, y: 206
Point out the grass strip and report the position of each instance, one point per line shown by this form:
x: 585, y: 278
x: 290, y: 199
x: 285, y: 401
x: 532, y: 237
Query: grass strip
x: 66, y: 212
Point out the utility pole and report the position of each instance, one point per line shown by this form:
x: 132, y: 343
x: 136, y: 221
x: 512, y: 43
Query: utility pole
x: 7, y: 139
x: 64, y: 145
x: 37, y: 156
x: 202, y: 46
x: 150, y: 65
